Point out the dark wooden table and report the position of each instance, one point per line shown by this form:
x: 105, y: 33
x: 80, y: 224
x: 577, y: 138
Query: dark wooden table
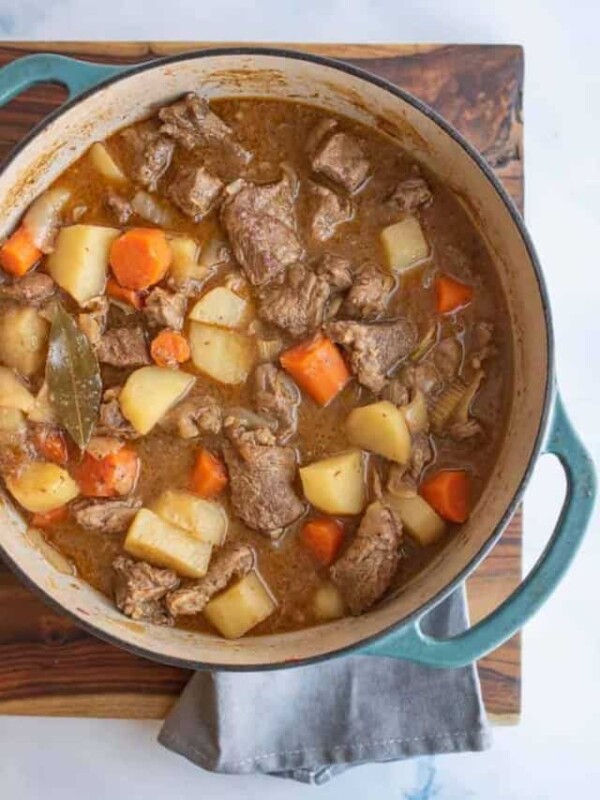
x: 48, y: 666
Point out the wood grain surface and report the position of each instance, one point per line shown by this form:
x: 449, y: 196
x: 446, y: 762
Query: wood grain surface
x: 47, y: 664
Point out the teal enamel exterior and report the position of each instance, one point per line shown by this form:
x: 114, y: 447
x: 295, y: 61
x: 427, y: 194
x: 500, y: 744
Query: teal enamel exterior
x: 76, y: 76
x: 414, y: 645
x: 409, y: 642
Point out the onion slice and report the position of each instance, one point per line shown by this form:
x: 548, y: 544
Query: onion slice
x: 416, y: 414
x: 151, y: 209
x: 42, y: 220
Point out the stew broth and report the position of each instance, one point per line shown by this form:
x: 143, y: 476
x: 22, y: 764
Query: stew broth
x: 278, y: 133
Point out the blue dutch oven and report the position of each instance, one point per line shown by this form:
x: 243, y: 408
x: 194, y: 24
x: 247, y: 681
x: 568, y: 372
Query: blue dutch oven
x: 105, y: 98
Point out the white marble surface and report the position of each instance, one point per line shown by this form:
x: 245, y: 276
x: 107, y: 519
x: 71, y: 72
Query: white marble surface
x: 554, y: 752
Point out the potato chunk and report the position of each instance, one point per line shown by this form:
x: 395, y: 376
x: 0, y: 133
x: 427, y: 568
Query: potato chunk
x: 105, y: 164
x: 404, y: 244
x: 23, y: 339
x: 225, y: 356
x: 337, y: 484
x: 418, y: 517
x: 238, y: 609
x: 184, y: 261
x: 204, y: 519
x: 40, y: 487
x: 13, y: 393
x: 220, y: 307
x: 328, y: 603
x: 159, y: 542
x: 382, y: 429
x: 79, y: 262
x: 150, y: 392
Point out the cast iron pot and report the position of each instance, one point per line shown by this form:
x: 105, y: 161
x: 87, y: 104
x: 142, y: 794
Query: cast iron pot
x: 105, y: 98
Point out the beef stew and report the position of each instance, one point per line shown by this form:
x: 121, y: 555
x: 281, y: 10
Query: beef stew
x: 255, y: 366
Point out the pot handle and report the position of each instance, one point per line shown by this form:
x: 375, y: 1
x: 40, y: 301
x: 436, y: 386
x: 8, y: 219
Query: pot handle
x: 76, y: 75
x: 458, y: 651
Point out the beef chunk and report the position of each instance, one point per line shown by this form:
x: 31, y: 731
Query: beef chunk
x: 261, y: 224
x: 119, y: 207
x: 164, y: 309
x: 106, y: 516
x: 34, y: 289
x: 123, y: 347
x: 192, y: 123
x: 260, y: 480
x: 197, y: 414
x: 448, y: 357
x: 111, y: 421
x: 374, y: 349
x: 328, y: 211
x: 150, y: 157
x: 195, y: 191
x: 340, y: 158
x: 277, y: 396
x: 365, y: 570
x: 93, y: 320
x: 412, y: 194
x: 369, y: 293
x: 337, y: 270
x: 298, y: 304
x: 140, y: 590
x: 234, y: 560
x: 255, y: 428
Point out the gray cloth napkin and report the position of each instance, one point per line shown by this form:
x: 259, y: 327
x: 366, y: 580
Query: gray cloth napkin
x: 311, y: 723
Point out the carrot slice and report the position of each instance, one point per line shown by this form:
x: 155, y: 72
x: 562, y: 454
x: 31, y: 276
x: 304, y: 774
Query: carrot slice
x: 449, y: 493
x: 50, y: 517
x: 19, y: 254
x: 112, y: 475
x: 140, y: 257
x: 123, y: 295
x: 451, y: 294
x: 318, y: 367
x: 52, y: 445
x: 169, y: 348
x: 323, y: 536
x: 209, y: 475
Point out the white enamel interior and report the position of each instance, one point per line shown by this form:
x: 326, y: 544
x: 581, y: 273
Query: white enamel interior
x: 131, y: 98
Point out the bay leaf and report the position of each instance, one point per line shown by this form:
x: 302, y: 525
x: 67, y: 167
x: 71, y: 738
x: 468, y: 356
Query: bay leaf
x: 73, y: 377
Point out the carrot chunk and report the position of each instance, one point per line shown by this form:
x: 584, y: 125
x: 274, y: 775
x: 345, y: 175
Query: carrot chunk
x: 323, y: 536
x: 318, y: 367
x: 50, y: 517
x: 140, y: 257
x: 449, y: 493
x: 209, y: 475
x: 52, y: 445
x: 451, y: 294
x: 19, y: 254
x: 110, y: 476
x: 169, y: 348
x: 123, y: 295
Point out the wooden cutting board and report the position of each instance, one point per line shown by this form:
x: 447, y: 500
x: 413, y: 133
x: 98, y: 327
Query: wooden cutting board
x: 48, y: 666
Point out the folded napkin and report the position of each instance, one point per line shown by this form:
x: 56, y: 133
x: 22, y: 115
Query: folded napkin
x: 311, y: 723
